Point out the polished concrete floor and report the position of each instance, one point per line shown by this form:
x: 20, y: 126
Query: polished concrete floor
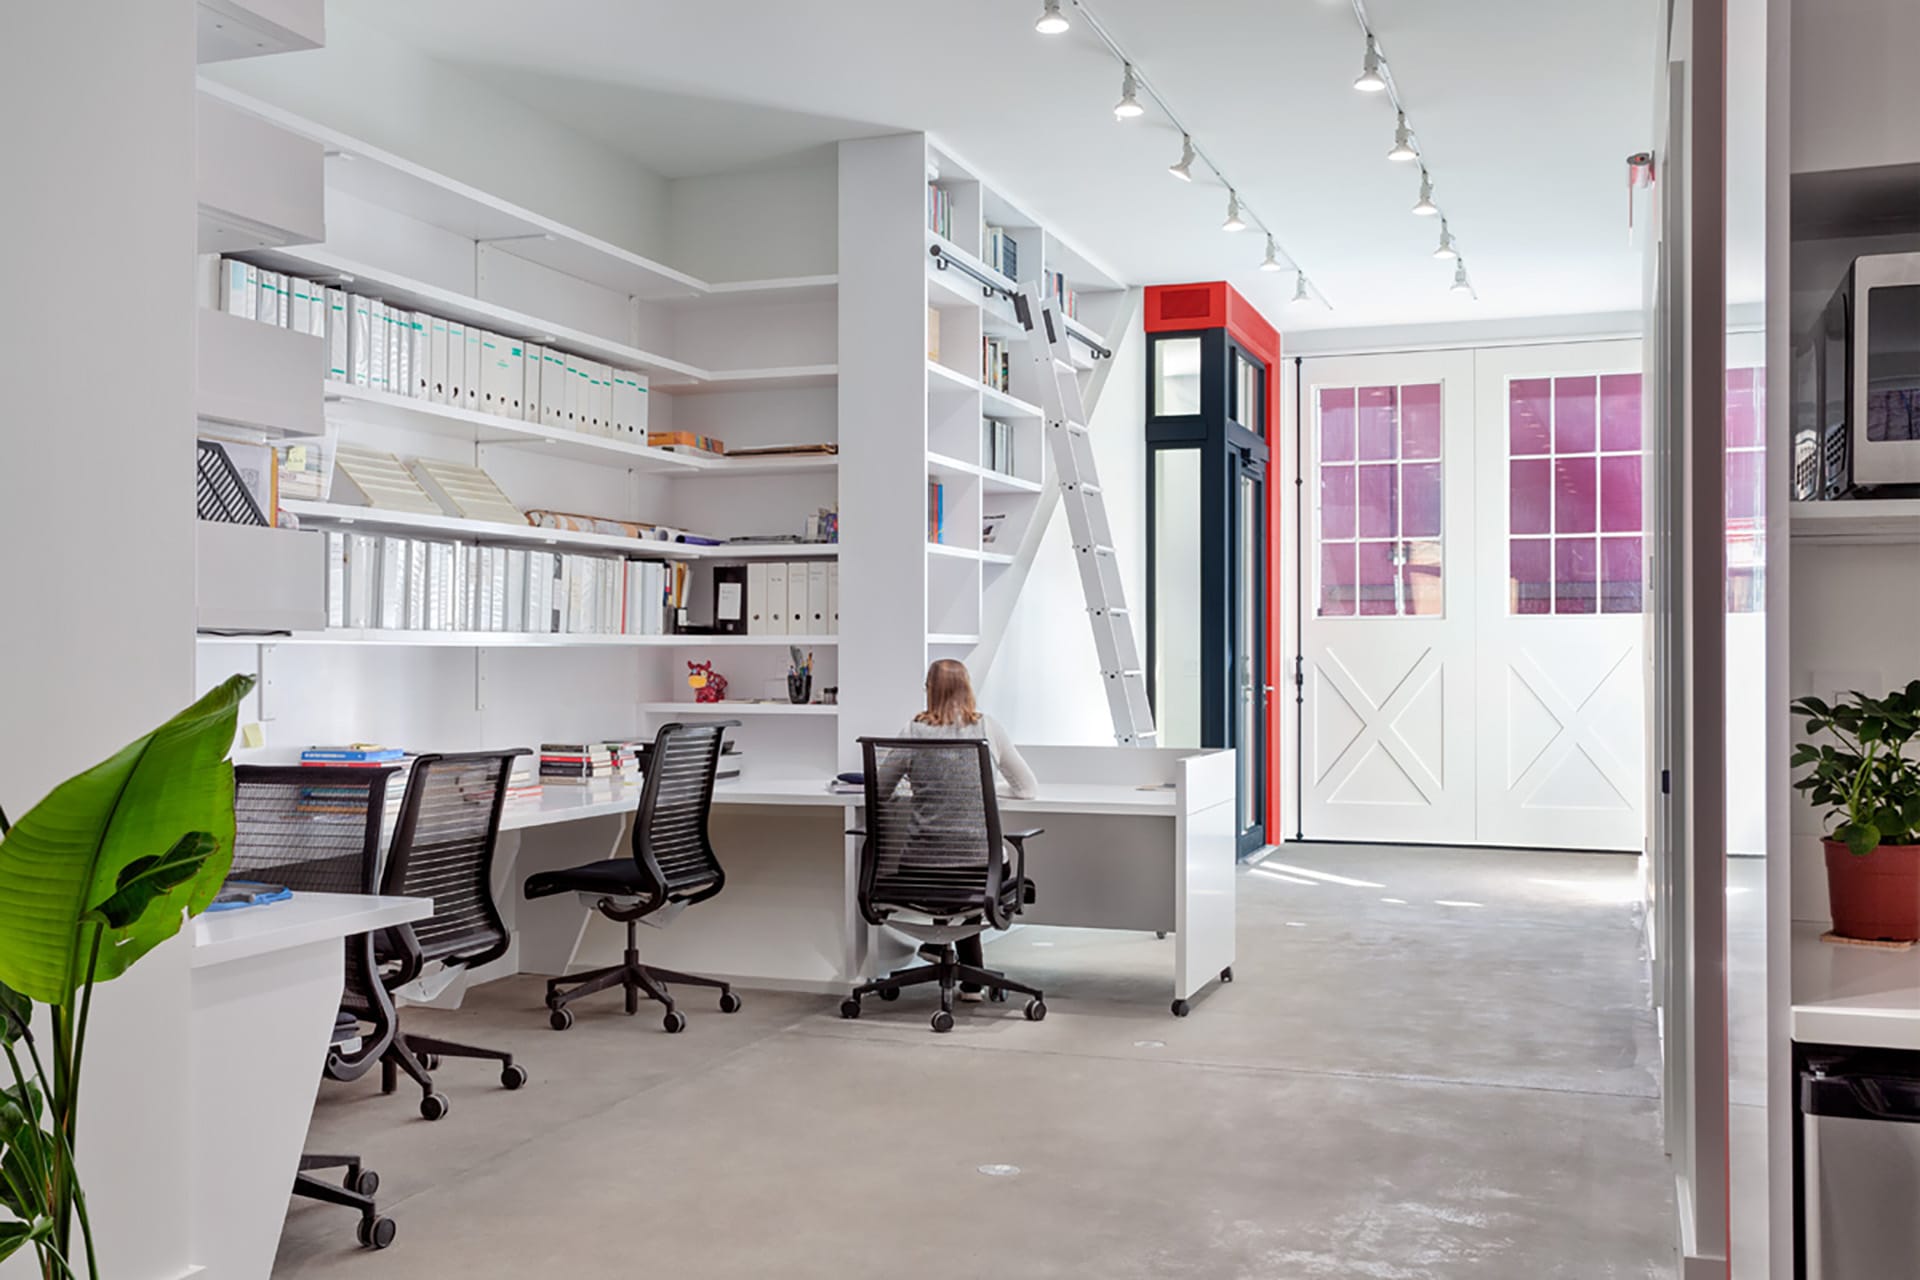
x: 1437, y: 1064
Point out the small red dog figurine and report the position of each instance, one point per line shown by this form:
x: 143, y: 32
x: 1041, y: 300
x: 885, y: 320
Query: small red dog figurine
x: 708, y: 685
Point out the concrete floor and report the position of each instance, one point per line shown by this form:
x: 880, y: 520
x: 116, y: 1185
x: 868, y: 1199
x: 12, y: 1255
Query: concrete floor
x: 1447, y: 1071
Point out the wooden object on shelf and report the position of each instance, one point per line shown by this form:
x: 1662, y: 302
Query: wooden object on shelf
x: 1876, y: 944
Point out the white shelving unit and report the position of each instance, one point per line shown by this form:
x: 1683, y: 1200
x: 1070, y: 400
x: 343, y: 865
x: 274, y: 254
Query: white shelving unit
x: 730, y: 708
x: 513, y: 640
x: 1863, y: 522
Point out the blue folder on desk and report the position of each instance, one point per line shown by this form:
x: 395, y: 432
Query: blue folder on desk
x: 235, y: 894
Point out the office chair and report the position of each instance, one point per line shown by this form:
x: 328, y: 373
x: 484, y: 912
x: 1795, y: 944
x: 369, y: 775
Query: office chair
x: 317, y: 830
x: 932, y: 864
x: 443, y: 849
x: 673, y: 866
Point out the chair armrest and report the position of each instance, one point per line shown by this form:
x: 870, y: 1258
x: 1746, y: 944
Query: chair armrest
x: 853, y: 832
x: 1015, y: 837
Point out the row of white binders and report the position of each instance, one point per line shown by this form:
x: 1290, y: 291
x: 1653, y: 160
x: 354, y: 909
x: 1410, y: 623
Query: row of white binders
x: 427, y: 357
x: 418, y: 584
x: 798, y: 597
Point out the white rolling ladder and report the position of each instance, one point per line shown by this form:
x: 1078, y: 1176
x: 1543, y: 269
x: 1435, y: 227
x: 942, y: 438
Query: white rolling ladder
x: 1092, y: 532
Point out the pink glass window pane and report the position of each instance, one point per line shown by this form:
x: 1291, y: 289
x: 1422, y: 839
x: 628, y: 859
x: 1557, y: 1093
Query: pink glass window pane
x: 1420, y: 421
x: 1573, y: 575
x: 1620, y: 412
x: 1530, y: 582
x: 1746, y: 473
x: 1376, y: 423
x: 1620, y: 493
x: 1336, y: 424
x: 1575, y: 415
x: 1530, y: 416
x: 1620, y: 569
x: 1377, y: 515
x: 1336, y: 502
x: 1336, y: 580
x: 1421, y: 583
x: 1743, y: 418
x: 1377, y: 594
x: 1573, y: 495
x: 1530, y: 495
x: 1420, y: 500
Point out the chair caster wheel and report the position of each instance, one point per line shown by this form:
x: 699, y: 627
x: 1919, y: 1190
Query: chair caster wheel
x: 434, y: 1106
x: 997, y: 994
x: 729, y: 1002
x: 943, y: 1021
x: 560, y: 1019
x: 431, y: 1061
x: 376, y: 1233
x: 851, y: 1008
x: 512, y: 1076
x: 1161, y: 934
x: 364, y: 1183
x: 1036, y: 1010
x: 675, y: 1022
x: 890, y: 994
x: 1181, y: 1008
x: 1226, y: 974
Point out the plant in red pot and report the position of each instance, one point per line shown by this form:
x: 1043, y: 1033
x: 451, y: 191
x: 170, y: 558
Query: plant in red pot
x: 1870, y: 788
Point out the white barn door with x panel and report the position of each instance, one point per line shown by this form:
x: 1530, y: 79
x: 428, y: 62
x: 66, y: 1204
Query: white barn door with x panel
x: 1387, y: 618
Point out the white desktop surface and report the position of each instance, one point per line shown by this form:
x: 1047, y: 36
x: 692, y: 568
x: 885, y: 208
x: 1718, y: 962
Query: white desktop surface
x: 1861, y: 996
x: 220, y: 937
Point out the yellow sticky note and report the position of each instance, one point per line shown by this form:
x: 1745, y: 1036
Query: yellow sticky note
x: 296, y: 457
x: 251, y: 735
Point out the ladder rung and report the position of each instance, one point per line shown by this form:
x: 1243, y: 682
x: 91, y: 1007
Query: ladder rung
x: 1121, y: 675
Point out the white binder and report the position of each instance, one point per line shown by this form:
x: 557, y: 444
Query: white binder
x: 833, y: 597
x: 300, y: 311
x: 817, y: 599
x: 553, y: 387
x: 798, y: 611
x: 456, y: 364
x: 420, y: 359
x: 336, y: 579
x: 471, y: 378
x: 570, y: 399
x: 416, y: 585
x: 437, y: 359
x: 237, y: 287
x: 400, y: 372
x: 363, y: 577
x: 338, y: 326
x: 776, y: 598
x: 531, y: 363
x: 392, y: 583
x: 377, y: 344
x: 756, y: 599
x: 603, y: 399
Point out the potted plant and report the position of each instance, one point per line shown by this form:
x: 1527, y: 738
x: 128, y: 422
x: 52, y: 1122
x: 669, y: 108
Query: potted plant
x: 1870, y: 789
x: 104, y: 869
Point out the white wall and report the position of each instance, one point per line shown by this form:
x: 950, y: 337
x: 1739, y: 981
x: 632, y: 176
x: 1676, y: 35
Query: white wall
x: 774, y: 221
x: 1045, y: 684
x: 374, y: 87
x: 99, y: 239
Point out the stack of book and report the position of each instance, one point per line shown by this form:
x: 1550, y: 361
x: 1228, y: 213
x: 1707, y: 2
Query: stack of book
x: 936, y: 511
x: 1003, y: 254
x: 333, y: 804
x: 939, y: 211
x: 996, y: 445
x: 524, y: 782
x: 996, y: 363
x: 629, y: 758
x: 361, y: 754
x: 574, y: 763
x: 687, y: 442
x: 1057, y: 290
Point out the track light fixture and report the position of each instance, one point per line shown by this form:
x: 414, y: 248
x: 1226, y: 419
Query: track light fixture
x: 1051, y: 21
x: 1460, y: 282
x: 1300, y: 293
x: 1128, y: 108
x: 1370, y: 80
x: 1445, y: 249
x: 1402, y: 149
x: 1183, y: 168
x: 1272, y: 262
x: 1425, y: 207
x: 1234, y: 221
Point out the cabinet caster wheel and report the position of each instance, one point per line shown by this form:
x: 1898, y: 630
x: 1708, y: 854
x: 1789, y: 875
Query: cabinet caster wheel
x: 365, y: 1183
x: 1226, y: 974
x: 376, y: 1233
x: 560, y: 1019
x: 431, y: 1061
x: 1036, y: 1010
x: 434, y: 1106
x: 729, y: 1002
x: 675, y: 1022
x: 851, y: 1008
x: 890, y: 994
x: 943, y: 1021
x: 1181, y: 1008
x: 512, y: 1076
x: 1161, y: 934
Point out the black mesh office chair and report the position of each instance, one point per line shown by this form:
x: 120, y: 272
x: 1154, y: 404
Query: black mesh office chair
x: 933, y: 866
x: 317, y: 830
x: 673, y: 866
x: 443, y: 849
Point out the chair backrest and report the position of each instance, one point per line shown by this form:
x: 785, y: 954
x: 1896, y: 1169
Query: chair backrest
x: 933, y: 841
x: 443, y: 849
x: 670, y: 829
x: 317, y: 830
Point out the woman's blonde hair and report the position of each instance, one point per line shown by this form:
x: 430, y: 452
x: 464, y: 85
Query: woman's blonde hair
x: 949, y: 695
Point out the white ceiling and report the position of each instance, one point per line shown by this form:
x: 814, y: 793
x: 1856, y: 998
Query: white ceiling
x: 1526, y: 110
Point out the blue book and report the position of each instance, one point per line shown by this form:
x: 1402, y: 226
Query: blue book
x: 352, y: 755
x: 235, y: 894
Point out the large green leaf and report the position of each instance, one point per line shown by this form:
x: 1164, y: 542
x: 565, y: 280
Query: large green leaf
x: 13, y: 1235
x: 71, y: 853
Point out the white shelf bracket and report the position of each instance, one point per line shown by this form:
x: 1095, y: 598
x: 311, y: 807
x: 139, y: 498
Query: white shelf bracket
x: 265, y: 687
x: 480, y: 661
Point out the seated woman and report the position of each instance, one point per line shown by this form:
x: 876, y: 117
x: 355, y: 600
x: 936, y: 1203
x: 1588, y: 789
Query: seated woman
x: 951, y: 713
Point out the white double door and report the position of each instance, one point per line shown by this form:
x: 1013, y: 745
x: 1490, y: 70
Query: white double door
x: 1471, y: 623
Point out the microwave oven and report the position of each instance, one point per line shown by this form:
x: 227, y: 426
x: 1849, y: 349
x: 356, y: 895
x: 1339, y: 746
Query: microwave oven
x: 1864, y: 359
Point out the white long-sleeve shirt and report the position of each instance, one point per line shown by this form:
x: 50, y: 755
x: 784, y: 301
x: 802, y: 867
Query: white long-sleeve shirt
x: 1015, y: 778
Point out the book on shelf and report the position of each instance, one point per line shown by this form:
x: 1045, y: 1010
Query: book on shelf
x: 352, y: 753
x: 687, y: 442
x: 1003, y: 252
x: 996, y: 445
x: 939, y: 210
x: 574, y: 763
x: 1058, y: 290
x: 996, y: 363
x: 936, y: 511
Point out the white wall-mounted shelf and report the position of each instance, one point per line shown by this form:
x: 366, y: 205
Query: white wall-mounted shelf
x: 801, y: 377
x: 950, y: 640
x: 741, y: 708
x: 512, y: 640
x: 1859, y: 521
x: 995, y: 403
x: 968, y: 553
x: 990, y: 480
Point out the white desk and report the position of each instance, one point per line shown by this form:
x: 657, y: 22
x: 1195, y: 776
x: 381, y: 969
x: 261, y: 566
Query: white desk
x: 266, y: 986
x: 1854, y: 996
x: 1121, y: 851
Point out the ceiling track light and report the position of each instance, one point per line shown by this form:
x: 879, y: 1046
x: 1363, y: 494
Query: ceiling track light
x: 1183, y: 168
x: 1446, y: 247
x: 1370, y: 80
x: 1300, y: 293
x: 1272, y: 262
x: 1051, y: 21
x: 1234, y: 221
x: 1402, y: 149
x: 1425, y: 207
x: 1128, y: 108
x: 1460, y: 282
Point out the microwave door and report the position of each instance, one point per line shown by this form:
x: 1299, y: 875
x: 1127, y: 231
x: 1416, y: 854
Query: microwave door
x: 1886, y: 371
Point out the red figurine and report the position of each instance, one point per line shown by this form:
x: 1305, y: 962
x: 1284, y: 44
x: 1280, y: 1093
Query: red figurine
x: 708, y: 685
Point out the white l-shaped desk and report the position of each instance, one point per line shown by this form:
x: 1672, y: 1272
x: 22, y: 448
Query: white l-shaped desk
x: 1135, y: 839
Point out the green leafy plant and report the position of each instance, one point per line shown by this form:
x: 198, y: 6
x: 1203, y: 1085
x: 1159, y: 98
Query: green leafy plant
x: 103, y: 870
x: 1868, y: 784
